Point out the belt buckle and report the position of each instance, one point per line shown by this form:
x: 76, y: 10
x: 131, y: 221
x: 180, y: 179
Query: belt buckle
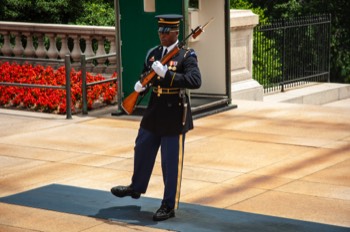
x: 159, y: 91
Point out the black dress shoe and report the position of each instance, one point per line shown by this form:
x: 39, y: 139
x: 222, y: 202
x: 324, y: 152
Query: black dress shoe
x: 123, y: 191
x: 163, y: 213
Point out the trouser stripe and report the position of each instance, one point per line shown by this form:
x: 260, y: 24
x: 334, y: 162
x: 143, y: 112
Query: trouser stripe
x: 179, y: 172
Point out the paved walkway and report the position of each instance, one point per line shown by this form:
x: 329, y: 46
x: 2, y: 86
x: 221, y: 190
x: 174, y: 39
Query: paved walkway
x: 272, y: 159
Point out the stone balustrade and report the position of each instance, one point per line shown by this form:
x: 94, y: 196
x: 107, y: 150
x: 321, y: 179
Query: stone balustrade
x: 54, y: 41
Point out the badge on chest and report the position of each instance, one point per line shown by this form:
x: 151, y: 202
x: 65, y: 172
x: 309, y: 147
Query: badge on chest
x: 172, y: 65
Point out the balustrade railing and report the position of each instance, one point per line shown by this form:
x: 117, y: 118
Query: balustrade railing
x: 55, y: 41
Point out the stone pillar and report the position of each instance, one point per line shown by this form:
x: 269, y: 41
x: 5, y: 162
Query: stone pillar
x: 18, y: 49
x: 100, y: 67
x: 242, y: 23
x: 112, y: 67
x: 6, y: 47
x: 76, y: 52
x: 41, y: 50
x: 29, y: 51
x: 88, y: 52
x: 64, y: 46
x: 52, y: 52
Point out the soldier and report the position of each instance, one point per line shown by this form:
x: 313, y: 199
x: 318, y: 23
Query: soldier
x: 166, y: 120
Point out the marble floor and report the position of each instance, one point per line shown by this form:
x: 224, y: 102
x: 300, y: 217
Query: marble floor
x: 276, y: 159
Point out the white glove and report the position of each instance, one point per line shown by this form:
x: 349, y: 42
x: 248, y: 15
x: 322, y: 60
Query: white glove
x: 138, y: 87
x: 159, y: 68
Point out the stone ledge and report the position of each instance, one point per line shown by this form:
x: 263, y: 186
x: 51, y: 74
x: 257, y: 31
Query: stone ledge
x: 243, y: 18
x: 247, y: 90
x: 318, y: 94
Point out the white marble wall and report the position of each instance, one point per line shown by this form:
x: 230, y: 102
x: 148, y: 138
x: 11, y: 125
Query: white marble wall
x: 242, y: 23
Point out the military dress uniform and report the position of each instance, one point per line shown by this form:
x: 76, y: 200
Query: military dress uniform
x: 164, y: 115
x: 165, y: 121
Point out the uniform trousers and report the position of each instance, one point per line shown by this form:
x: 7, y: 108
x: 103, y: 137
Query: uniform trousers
x: 172, y: 150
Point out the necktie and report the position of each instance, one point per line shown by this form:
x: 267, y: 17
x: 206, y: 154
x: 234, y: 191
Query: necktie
x: 165, y: 52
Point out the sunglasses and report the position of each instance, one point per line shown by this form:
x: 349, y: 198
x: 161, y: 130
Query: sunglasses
x: 165, y: 30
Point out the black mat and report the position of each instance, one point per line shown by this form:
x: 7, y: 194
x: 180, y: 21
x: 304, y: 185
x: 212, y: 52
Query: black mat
x: 189, y: 217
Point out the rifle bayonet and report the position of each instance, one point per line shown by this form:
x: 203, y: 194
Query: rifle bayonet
x: 200, y: 29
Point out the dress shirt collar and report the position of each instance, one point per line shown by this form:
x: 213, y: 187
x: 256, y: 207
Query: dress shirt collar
x: 171, y: 46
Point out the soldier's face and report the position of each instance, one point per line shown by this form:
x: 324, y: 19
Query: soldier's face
x: 169, y: 38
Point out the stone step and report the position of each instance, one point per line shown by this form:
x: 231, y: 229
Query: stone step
x: 315, y: 94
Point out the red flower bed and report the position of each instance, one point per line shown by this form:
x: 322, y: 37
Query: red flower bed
x: 50, y: 100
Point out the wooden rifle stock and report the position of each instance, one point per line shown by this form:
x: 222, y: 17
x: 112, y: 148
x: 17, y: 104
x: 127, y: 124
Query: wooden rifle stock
x: 129, y: 102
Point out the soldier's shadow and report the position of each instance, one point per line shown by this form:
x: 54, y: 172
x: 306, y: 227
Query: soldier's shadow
x: 128, y: 214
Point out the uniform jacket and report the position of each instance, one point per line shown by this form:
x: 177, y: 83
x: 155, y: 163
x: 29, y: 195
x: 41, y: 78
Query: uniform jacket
x: 164, y: 112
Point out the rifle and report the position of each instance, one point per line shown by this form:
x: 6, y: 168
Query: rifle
x: 129, y: 102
